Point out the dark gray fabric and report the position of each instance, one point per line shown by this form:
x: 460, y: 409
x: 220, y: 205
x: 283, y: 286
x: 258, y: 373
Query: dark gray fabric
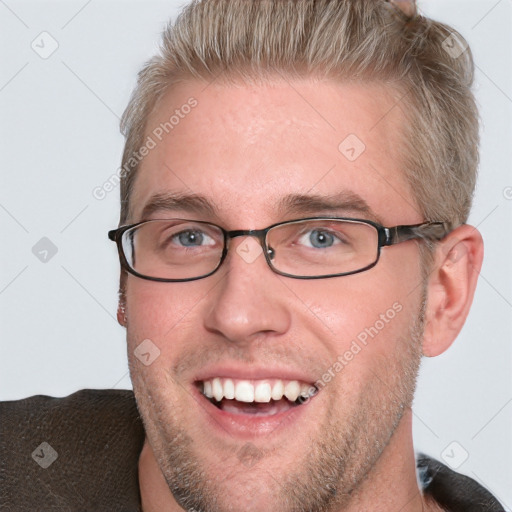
x: 98, y: 435
x: 453, y: 491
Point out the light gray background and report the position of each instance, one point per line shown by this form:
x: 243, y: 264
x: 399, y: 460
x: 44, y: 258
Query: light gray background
x: 60, y: 139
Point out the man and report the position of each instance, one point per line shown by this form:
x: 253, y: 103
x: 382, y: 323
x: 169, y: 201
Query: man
x: 297, y: 178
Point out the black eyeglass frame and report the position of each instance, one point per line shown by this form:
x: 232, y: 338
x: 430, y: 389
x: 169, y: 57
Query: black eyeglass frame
x: 387, y: 236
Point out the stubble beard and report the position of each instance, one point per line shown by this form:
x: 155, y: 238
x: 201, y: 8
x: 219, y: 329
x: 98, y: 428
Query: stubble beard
x: 328, y: 471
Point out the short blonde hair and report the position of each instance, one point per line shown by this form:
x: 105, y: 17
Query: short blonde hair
x: 367, y: 40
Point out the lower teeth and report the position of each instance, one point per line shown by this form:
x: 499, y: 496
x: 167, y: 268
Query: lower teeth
x: 254, y: 408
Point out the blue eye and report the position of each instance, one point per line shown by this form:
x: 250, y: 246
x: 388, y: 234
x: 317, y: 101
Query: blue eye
x: 193, y: 238
x: 321, y: 239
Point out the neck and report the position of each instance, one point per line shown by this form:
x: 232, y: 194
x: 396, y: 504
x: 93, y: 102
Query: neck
x: 390, y: 485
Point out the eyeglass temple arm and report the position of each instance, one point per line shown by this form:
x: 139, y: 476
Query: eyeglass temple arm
x: 426, y: 231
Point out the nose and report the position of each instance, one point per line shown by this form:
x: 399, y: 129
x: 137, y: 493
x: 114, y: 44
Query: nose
x: 250, y: 301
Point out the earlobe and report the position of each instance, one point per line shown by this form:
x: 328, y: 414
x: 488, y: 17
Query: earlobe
x: 451, y: 287
x: 121, y: 315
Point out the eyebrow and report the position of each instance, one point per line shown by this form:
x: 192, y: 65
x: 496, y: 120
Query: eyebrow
x: 344, y: 201
x: 171, y: 201
x: 292, y: 204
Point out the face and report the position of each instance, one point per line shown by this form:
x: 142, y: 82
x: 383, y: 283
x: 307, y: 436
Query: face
x: 256, y: 155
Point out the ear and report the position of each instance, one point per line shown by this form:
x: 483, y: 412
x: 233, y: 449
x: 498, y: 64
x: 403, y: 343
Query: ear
x: 408, y: 7
x: 451, y: 287
x: 121, y: 315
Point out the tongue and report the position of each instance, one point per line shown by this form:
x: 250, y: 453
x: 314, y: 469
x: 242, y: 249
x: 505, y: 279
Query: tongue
x: 256, y: 409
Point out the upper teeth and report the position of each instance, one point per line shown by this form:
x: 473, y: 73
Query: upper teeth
x: 256, y: 390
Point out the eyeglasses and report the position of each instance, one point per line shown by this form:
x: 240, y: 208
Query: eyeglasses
x: 174, y: 250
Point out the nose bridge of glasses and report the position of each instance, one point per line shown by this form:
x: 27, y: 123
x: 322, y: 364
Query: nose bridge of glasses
x: 258, y: 233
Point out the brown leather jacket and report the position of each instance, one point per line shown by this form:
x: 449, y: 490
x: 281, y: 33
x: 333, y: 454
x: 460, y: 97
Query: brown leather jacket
x: 80, y: 453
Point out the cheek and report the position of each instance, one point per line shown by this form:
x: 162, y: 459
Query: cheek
x: 366, y: 313
x: 155, y: 306
x: 367, y: 342
x: 165, y: 313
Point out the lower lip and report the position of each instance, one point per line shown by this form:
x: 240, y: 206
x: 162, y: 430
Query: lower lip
x: 248, y: 426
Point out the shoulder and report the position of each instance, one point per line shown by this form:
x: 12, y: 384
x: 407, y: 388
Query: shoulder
x: 452, y: 491
x: 75, y: 452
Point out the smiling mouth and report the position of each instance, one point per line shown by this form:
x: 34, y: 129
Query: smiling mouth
x: 266, y: 397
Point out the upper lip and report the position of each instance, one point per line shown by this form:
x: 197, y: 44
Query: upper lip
x: 244, y: 372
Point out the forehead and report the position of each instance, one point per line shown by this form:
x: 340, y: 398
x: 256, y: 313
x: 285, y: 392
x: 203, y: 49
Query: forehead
x: 244, y: 148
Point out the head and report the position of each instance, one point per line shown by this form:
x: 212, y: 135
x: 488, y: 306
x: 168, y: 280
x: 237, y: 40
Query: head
x: 266, y: 119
